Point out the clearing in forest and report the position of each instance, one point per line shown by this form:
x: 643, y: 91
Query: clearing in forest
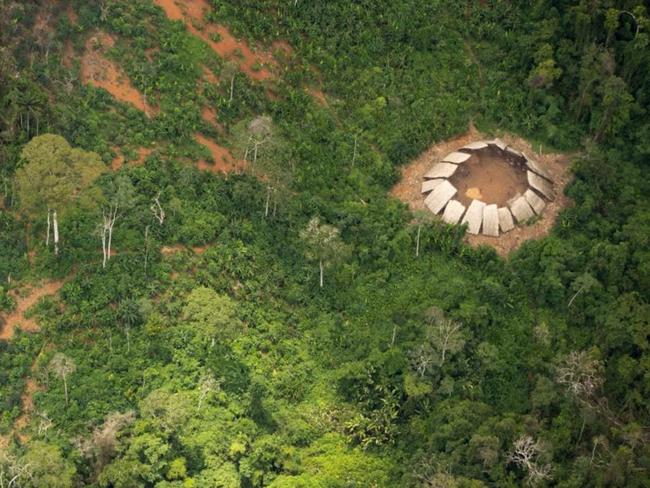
x: 16, y: 318
x: 209, y: 115
x: 101, y: 72
x: 486, y: 178
x: 27, y: 401
x: 7, y: 331
x: 167, y: 250
x: 256, y: 65
x: 118, y: 161
x: 223, y: 159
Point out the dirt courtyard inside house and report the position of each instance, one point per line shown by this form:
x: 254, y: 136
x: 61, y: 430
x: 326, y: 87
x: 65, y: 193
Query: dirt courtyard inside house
x: 409, y: 187
x: 488, y: 177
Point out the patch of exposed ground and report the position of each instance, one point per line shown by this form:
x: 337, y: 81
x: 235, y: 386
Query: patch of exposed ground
x: 72, y: 15
x: 256, y: 65
x: 24, y: 303
x: 118, y: 161
x: 223, y: 159
x: 209, y: 115
x: 27, y: 401
x: 409, y: 188
x: 150, y: 52
x: 209, y: 76
x: 68, y: 54
x: 167, y: 250
x: 487, y: 176
x: 104, y: 73
x: 318, y: 95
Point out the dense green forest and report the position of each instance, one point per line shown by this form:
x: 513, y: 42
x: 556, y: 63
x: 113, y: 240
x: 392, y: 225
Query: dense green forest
x: 273, y: 326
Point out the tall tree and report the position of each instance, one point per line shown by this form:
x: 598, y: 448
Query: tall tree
x: 119, y: 197
x: 526, y: 453
x: 63, y: 366
x: 323, y: 244
x: 229, y: 71
x: 443, y: 336
x: 53, y: 177
x: 259, y: 134
x: 420, y: 219
x: 262, y: 145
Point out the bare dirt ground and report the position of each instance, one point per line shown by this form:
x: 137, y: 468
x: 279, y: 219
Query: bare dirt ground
x: 223, y: 159
x: 167, y: 250
x: 27, y: 400
x: 256, y: 65
x: 72, y: 15
x: 209, y: 115
x: 12, y: 321
x: 106, y: 74
x: 318, y: 95
x: 209, y: 76
x: 68, y: 54
x: 408, y: 189
x: 488, y: 177
x: 16, y: 318
x: 118, y: 161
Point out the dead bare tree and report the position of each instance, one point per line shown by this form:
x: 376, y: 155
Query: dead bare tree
x: 55, y: 223
x: 119, y: 197
x: 526, y: 453
x: 109, y: 217
x: 47, y: 238
x: 444, y: 335
x: 104, y: 9
x: 45, y: 423
x: 580, y: 374
x: 260, y: 132
x: 207, y: 385
x: 68, y: 82
x: 230, y: 70
x: 13, y: 471
x: 420, y: 219
x: 102, y: 443
x: 583, y: 377
x: 157, y: 210
x: 62, y: 366
x: 422, y: 358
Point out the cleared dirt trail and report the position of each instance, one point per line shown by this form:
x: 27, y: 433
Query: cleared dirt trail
x: 16, y: 317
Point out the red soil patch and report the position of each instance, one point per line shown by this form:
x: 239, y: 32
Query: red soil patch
x: 282, y: 47
x: 68, y: 54
x: 150, y: 52
x: 118, y: 161
x: 72, y: 15
x: 143, y: 153
x: 27, y: 400
x: 409, y: 188
x: 42, y: 23
x: 318, y: 95
x: 209, y: 115
x: 167, y: 250
x: 22, y: 305
x: 209, y: 76
x: 223, y: 159
x: 104, y: 73
x: 192, y: 13
x: 488, y: 177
